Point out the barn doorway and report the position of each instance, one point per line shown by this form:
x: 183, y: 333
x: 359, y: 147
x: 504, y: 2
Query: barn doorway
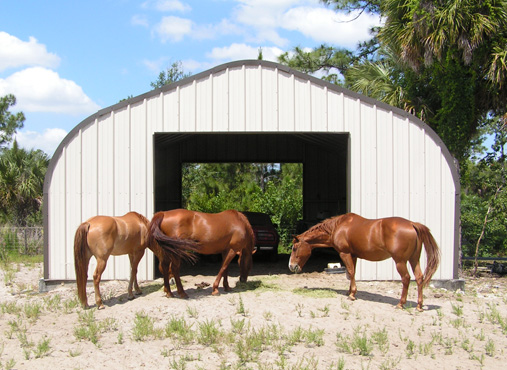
x: 324, y: 156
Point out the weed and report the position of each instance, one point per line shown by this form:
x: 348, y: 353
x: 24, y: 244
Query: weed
x: 380, y: 337
x: 490, y: 347
x: 192, y: 312
x: 457, y: 310
x: 295, y: 336
x: 409, y: 350
x: 89, y: 328
x: 75, y: 353
x: 390, y: 363
x: 32, y: 311
x: 179, y: 364
x: 241, y: 307
x: 238, y: 326
x: 299, y: 309
x: 480, y: 336
x: 325, y: 311
x: 314, y: 337
x: 178, y: 328
x: 268, y: 316
x: 208, y: 333
x: 10, y: 308
x: 340, y: 365
x: 143, y: 327
x: 53, y: 302
x: 120, y: 338
x: 42, y: 348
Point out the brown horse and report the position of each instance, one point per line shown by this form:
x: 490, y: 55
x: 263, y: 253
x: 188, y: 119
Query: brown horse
x: 102, y: 236
x: 227, y: 232
x: 354, y: 237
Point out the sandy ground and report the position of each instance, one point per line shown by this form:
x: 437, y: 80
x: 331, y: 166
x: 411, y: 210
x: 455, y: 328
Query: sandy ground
x: 304, y: 322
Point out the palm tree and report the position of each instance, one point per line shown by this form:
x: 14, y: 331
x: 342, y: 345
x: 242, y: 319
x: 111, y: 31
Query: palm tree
x: 21, y: 182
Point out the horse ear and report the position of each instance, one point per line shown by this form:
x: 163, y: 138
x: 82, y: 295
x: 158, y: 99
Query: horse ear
x: 295, y: 239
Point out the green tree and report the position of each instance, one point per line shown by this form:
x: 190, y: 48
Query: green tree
x: 444, y: 61
x: 260, y: 187
x: 172, y: 74
x: 21, y: 184
x: 9, y: 122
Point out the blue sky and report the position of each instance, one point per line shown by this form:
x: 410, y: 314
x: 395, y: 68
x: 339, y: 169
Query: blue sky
x: 66, y: 59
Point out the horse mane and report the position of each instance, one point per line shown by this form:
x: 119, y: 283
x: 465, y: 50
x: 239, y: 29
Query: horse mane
x: 325, y: 227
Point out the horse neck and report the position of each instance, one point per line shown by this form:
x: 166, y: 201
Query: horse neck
x: 317, y: 238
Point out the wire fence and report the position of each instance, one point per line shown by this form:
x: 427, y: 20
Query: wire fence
x: 22, y: 240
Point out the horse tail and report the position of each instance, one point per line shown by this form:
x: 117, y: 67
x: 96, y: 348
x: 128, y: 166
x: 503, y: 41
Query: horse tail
x: 177, y: 248
x: 432, y: 251
x: 81, y: 261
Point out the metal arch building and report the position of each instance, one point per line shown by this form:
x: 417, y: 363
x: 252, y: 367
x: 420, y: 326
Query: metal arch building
x: 359, y: 155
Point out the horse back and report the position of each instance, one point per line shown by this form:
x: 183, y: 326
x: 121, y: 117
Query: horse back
x: 375, y: 239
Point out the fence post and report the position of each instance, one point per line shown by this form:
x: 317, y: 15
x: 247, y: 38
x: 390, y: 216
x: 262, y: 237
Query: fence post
x: 26, y: 242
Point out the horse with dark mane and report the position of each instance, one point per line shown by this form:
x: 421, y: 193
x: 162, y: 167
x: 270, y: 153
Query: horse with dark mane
x: 227, y: 232
x: 354, y: 237
x: 102, y: 236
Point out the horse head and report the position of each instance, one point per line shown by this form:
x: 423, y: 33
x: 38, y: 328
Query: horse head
x: 301, y: 251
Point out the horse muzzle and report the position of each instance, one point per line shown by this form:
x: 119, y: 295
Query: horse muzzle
x: 294, y: 268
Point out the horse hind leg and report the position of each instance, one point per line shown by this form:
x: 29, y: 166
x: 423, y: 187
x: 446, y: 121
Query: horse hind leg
x: 401, y: 266
x: 416, y: 267
x: 135, y: 258
x: 101, y: 266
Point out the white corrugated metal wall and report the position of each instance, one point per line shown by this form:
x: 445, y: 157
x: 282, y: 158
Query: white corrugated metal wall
x: 398, y: 166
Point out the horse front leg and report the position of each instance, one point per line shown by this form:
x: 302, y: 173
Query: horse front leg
x: 228, y: 256
x: 101, y: 266
x: 350, y: 265
x: 401, y: 266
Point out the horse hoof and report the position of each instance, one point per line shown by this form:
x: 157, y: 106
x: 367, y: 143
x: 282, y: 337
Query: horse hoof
x: 351, y: 298
x: 419, y: 309
x: 130, y: 297
x: 139, y: 293
x: 101, y: 307
x: 184, y: 296
x: 399, y: 306
x: 215, y: 292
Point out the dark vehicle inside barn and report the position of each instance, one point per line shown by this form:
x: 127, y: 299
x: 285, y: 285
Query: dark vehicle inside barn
x: 266, y: 235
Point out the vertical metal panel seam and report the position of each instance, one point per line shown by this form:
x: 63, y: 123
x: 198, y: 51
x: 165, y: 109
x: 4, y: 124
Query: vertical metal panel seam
x: 194, y: 85
x: 146, y: 149
x: 326, y: 94
x: 310, y: 103
x: 97, y: 166
x: 277, y: 92
x: 409, y: 167
x: 244, y: 98
x: 261, y: 98
x: 65, y: 154
x: 178, y: 109
x: 212, y: 110
x: 293, y: 80
x: 228, y: 84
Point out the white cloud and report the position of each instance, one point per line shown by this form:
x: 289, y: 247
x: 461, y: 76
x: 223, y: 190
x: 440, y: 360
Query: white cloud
x: 167, y: 5
x: 326, y: 25
x: 243, y: 51
x: 17, y: 53
x: 173, y: 28
x: 47, y: 141
x: 139, y: 20
x: 38, y: 89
